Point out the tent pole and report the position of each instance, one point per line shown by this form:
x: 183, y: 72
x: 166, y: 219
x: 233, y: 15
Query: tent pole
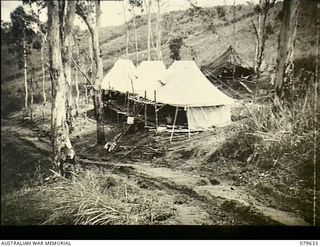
x: 174, y: 122
x: 134, y: 108
x: 128, y: 104
x: 155, y: 109
x: 145, y: 109
x: 189, y: 133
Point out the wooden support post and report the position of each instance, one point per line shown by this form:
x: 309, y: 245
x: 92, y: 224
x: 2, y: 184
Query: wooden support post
x: 155, y: 108
x: 174, y: 122
x: 134, y: 108
x: 128, y: 104
x: 145, y: 109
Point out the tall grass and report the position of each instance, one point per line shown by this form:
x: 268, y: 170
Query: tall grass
x: 283, y: 134
x: 276, y: 145
x: 91, y: 198
x: 96, y: 199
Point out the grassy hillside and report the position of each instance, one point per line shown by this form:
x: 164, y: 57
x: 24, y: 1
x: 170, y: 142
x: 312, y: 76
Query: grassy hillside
x: 257, y: 171
x: 206, y: 34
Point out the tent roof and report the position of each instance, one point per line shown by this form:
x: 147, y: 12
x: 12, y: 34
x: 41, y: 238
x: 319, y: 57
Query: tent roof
x: 120, y: 76
x: 185, y: 85
x: 229, y: 57
x: 148, y: 77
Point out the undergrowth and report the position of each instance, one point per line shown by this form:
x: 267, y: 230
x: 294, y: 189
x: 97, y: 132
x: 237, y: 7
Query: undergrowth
x: 274, y: 149
x: 91, y: 198
x: 271, y: 136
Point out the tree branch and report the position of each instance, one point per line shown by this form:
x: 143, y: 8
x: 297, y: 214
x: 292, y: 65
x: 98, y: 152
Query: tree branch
x: 82, y: 72
x: 255, y: 28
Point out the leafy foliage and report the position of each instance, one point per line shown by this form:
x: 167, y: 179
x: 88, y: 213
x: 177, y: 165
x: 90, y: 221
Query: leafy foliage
x: 175, y: 47
x: 136, y: 3
x: 20, y: 32
x: 5, y: 32
x: 221, y: 12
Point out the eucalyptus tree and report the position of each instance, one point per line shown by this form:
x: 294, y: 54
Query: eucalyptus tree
x: 261, y: 30
x: 135, y: 4
x: 60, y: 22
x: 286, y: 41
x: 90, y: 12
x: 21, y: 40
x: 158, y: 30
x: 39, y: 27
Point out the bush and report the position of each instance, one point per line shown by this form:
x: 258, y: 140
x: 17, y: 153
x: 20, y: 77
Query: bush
x: 221, y: 12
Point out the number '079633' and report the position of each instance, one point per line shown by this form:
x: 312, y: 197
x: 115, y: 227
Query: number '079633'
x: 309, y: 243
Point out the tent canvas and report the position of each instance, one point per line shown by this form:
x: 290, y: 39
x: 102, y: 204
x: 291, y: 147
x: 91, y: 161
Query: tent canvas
x: 120, y: 77
x: 148, y: 77
x: 182, y: 85
x: 186, y: 86
x: 229, y: 56
x: 200, y: 118
x: 229, y: 60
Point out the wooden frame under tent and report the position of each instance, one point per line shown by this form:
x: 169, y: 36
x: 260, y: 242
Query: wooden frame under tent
x: 157, y: 107
x: 153, y: 94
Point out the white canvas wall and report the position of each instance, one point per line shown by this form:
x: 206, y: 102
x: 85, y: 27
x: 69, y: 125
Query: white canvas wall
x: 202, y: 118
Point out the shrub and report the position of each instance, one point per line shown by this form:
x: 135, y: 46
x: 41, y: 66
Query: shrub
x: 221, y: 12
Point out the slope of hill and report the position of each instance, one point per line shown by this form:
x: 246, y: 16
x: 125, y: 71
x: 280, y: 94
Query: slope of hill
x: 206, y: 34
x: 257, y: 171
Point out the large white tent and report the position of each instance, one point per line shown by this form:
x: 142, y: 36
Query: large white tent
x: 149, y: 78
x: 182, y: 85
x: 120, y: 77
x: 186, y: 86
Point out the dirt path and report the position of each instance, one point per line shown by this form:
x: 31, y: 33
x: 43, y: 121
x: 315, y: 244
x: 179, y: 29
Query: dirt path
x: 214, y: 200
x: 196, y: 199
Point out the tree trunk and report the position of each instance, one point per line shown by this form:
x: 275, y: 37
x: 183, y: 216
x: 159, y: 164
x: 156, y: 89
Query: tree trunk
x: 91, y: 58
x: 78, y: 93
x: 158, y: 42
x: 285, y: 47
x: 98, y: 71
x: 135, y: 34
x: 62, y: 147
x: 43, y: 81
x: 127, y: 30
x: 25, y: 73
x: 98, y: 79
x: 86, y: 102
x: 261, y: 35
x: 70, y: 8
x: 32, y: 82
x: 258, y: 44
x: 148, y: 6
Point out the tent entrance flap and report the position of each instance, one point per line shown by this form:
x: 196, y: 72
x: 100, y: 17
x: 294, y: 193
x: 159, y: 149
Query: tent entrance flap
x: 201, y: 118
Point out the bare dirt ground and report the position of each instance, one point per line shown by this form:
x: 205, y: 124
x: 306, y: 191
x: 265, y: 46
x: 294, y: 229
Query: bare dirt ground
x: 175, y: 173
